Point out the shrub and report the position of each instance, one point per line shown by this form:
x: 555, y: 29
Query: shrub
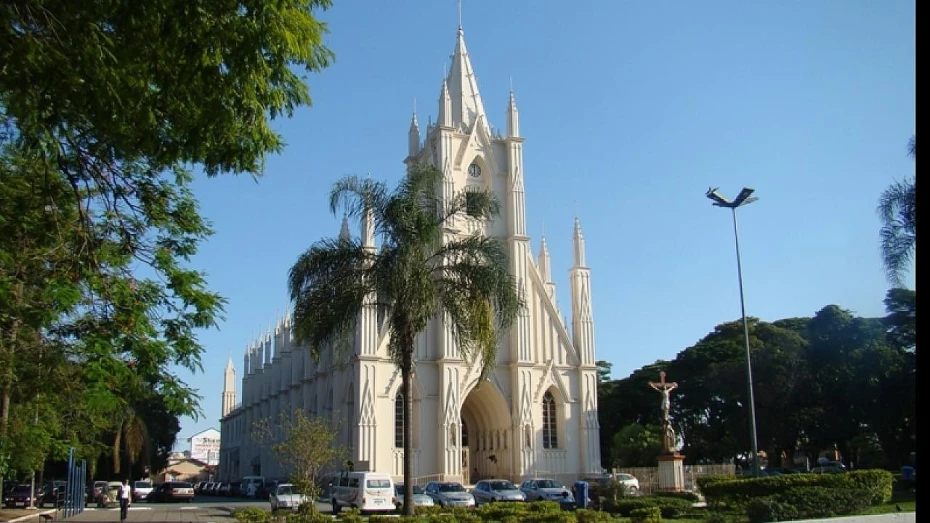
x: 297, y: 517
x: 688, y: 496
x: 820, y: 502
x: 546, y: 507
x: 737, y: 492
x: 251, y: 515
x: 646, y: 515
x: 501, y: 511
x: 352, y: 515
x: 669, y: 507
x: 763, y: 510
x: 723, y: 517
x: 592, y: 516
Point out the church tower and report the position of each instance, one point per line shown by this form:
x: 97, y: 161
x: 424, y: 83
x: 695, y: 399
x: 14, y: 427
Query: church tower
x: 229, y: 388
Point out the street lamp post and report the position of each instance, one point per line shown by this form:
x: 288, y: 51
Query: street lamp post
x: 744, y: 198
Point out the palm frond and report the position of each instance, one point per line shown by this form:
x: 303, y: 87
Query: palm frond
x: 328, y: 285
x: 357, y: 195
x: 897, y: 208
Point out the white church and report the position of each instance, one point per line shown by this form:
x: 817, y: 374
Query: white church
x: 537, y: 413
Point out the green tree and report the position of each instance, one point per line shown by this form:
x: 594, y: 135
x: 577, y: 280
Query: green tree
x: 898, y: 210
x: 306, y: 447
x: 419, y: 273
x: 636, y: 445
x: 105, y: 107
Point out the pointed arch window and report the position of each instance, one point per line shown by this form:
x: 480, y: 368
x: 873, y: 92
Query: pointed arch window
x: 464, y: 434
x: 550, y: 424
x: 399, y: 420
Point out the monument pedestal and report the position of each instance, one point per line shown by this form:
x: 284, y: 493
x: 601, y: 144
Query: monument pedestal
x: 671, y: 472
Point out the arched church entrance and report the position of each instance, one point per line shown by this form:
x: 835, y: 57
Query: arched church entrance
x: 487, y: 441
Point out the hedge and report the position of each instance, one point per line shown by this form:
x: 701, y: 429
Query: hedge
x: 669, y: 507
x: 808, y: 503
x: 737, y: 492
x: 646, y: 515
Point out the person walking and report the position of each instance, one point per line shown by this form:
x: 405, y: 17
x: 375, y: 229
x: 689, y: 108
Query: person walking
x: 125, y: 497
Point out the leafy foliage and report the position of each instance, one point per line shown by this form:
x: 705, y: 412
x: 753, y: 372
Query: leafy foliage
x: 105, y: 107
x: 305, y: 445
x: 419, y: 273
x: 636, y: 445
x: 897, y: 208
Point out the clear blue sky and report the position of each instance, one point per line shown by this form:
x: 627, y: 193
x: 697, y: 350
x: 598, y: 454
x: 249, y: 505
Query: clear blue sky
x: 632, y: 110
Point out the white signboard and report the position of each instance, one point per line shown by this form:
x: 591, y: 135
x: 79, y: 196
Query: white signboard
x: 205, y: 446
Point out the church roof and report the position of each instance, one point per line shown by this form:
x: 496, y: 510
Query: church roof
x: 462, y: 83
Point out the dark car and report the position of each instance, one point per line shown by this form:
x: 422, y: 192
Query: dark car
x: 173, y: 491
x: 18, y: 496
x: 52, y: 494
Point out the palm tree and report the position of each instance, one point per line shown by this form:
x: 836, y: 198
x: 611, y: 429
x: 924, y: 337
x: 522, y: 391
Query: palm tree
x: 421, y: 272
x: 898, y: 210
x: 132, y: 434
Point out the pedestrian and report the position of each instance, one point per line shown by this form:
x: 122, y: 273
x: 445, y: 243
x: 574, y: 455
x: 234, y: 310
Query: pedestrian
x: 125, y: 497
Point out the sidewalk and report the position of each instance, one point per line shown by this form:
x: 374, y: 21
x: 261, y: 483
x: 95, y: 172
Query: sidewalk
x: 188, y: 514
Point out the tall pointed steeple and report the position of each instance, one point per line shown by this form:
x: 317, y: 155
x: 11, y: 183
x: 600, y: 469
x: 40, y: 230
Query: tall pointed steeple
x: 466, y: 104
x: 344, y: 233
x: 229, y: 388
x: 445, y: 106
x: 582, y: 317
x: 413, y: 136
x: 578, y: 241
x: 513, y: 117
x: 545, y: 263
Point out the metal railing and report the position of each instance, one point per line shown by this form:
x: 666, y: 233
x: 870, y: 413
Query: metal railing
x: 75, y: 487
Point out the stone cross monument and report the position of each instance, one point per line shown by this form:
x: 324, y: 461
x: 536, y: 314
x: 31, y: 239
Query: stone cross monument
x: 671, y: 463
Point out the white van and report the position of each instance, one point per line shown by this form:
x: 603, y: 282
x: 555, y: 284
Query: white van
x: 366, y: 491
x: 251, y: 485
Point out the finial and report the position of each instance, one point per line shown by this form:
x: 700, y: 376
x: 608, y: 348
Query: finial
x: 460, y: 16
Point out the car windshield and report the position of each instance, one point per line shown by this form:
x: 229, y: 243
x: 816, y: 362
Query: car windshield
x: 501, y: 485
x: 400, y: 489
x: 548, y: 483
x: 19, y: 489
x: 284, y: 490
x: 450, y: 487
x: 143, y: 484
x: 624, y: 477
x: 378, y: 483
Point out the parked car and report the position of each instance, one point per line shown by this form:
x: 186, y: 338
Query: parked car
x: 542, y: 489
x: 491, y: 490
x: 109, y: 496
x: 98, y: 488
x: 52, y: 494
x: 198, y: 488
x: 449, y: 494
x: 420, y: 499
x: 18, y: 496
x: 629, y: 481
x: 285, y: 497
x: 173, y: 491
x: 141, y: 490
x: 366, y: 491
x: 829, y: 467
x: 224, y: 489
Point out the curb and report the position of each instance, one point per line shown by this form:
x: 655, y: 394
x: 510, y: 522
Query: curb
x: 30, y: 516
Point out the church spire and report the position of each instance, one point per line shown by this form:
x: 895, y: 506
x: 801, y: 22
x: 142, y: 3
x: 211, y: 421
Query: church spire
x: 344, y: 233
x: 413, y: 136
x: 229, y: 388
x: 578, y: 241
x: 545, y: 263
x: 445, y: 105
x: 462, y: 84
x: 513, y: 117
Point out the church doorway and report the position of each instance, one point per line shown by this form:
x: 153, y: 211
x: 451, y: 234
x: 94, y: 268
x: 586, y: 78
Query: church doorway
x: 487, y: 443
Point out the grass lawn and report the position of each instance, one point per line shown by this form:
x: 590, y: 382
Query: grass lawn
x: 906, y: 500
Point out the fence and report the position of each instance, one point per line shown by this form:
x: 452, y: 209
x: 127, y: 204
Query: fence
x: 72, y: 503
x: 649, y: 476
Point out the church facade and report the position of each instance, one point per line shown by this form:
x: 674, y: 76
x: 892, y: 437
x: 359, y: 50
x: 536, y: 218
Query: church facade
x: 536, y: 415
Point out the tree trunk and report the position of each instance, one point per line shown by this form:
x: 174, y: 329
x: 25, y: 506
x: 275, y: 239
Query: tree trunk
x: 116, y: 443
x: 405, y: 372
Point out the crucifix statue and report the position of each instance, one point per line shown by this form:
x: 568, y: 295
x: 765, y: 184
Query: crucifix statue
x: 664, y: 389
x: 668, y: 434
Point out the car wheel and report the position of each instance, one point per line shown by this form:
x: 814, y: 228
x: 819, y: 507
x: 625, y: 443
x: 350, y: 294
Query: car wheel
x: 634, y: 490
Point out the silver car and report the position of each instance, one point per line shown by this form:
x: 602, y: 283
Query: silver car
x: 449, y: 494
x: 547, y: 490
x: 420, y: 499
x: 490, y: 490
